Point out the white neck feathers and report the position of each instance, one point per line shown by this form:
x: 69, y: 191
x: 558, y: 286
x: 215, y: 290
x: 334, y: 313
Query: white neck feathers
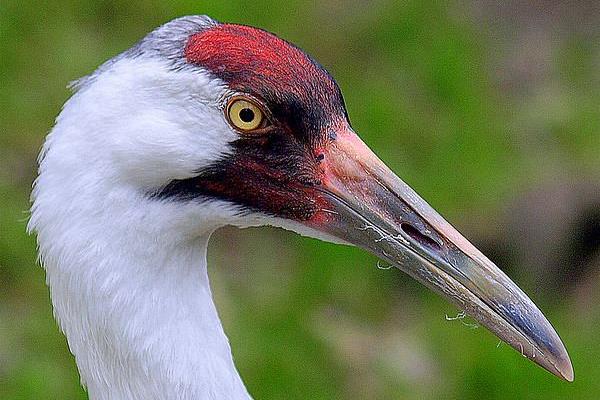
x: 127, y: 273
x: 138, y: 312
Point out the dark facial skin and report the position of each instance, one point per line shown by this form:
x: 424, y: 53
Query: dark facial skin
x: 274, y: 171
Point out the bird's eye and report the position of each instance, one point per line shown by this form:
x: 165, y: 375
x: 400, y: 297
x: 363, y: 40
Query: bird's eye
x: 244, y: 115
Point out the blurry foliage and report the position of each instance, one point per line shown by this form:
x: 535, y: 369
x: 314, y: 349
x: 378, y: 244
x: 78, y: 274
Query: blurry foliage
x: 461, y: 100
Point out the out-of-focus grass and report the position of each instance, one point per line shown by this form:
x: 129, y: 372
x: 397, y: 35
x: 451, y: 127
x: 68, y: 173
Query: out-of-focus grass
x: 423, y: 85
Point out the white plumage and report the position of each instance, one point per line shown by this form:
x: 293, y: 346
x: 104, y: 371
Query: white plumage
x: 127, y: 275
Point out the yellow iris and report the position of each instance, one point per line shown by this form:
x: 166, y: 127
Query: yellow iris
x: 245, y: 115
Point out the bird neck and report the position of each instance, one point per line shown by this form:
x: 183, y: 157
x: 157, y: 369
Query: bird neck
x: 127, y: 272
x: 137, y: 310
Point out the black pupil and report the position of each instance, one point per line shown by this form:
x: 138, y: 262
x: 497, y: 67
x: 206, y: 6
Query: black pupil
x: 246, y: 115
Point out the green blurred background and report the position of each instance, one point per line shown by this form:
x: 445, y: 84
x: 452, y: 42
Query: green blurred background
x: 490, y: 110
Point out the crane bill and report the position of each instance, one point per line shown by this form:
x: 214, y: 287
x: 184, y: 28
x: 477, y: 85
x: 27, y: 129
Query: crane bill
x: 366, y: 204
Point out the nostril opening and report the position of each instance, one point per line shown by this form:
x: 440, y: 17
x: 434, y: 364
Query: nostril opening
x: 420, y: 237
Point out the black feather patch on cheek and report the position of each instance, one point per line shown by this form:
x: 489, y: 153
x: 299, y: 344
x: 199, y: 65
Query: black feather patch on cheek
x: 276, y: 177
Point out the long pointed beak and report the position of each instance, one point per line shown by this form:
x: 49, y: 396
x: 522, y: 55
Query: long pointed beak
x: 365, y: 204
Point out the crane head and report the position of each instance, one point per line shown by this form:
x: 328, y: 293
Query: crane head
x: 237, y: 123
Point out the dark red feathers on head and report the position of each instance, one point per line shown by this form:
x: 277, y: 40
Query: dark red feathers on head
x: 294, y: 86
x: 247, y: 57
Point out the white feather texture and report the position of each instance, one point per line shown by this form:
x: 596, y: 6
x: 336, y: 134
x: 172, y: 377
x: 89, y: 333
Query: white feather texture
x: 127, y: 273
